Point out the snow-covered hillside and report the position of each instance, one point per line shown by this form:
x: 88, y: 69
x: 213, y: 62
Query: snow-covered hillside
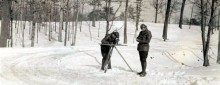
x: 175, y: 62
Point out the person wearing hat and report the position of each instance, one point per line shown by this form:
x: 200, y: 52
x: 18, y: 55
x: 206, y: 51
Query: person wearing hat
x: 112, y: 38
x: 143, y: 47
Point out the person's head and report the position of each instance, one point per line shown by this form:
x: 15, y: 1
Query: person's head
x: 143, y: 27
x: 115, y: 35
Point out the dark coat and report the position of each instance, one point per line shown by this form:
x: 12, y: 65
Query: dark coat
x: 105, y: 48
x: 108, y: 39
x: 144, y: 39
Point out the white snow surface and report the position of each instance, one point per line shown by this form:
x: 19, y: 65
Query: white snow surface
x: 178, y: 61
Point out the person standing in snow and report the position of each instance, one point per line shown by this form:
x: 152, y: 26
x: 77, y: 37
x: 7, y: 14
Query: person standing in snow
x: 143, y: 47
x: 109, y: 39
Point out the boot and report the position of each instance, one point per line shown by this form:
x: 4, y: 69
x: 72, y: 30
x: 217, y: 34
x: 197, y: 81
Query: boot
x: 143, y: 65
x: 143, y: 72
x: 102, y: 68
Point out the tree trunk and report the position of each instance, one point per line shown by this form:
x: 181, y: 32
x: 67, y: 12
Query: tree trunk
x: 5, y: 24
x: 90, y: 32
x: 24, y: 24
x: 191, y: 17
x: 206, y: 51
x: 38, y: 28
x: 83, y: 5
x: 55, y: 11
x: 108, y: 5
x: 46, y: 25
x: 73, y: 27
x: 181, y: 14
x: 218, y: 19
x: 66, y: 27
x: 205, y: 14
x: 125, y: 24
x: 33, y: 23
x: 68, y: 39
x: 93, y: 16
x: 50, y: 21
x: 61, y: 22
x: 16, y: 22
x: 166, y: 21
x: 218, y: 57
x: 11, y: 31
x: 21, y: 11
x: 156, y: 11
x: 30, y: 27
x: 202, y: 24
x: 76, y: 24
x: 50, y: 26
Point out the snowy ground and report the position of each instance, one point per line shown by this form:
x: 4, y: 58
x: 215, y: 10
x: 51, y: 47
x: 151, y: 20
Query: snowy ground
x: 175, y: 62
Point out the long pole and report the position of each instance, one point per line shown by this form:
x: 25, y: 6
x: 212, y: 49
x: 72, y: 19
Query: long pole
x: 124, y: 59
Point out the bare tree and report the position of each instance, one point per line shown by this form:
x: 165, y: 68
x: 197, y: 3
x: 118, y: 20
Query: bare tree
x: 158, y: 5
x: 174, y: 8
x: 166, y: 20
x: 202, y: 23
x: 206, y: 50
x: 33, y: 16
x: 11, y: 24
x: 76, y: 23
x: 181, y: 14
x: 125, y: 23
x: 218, y: 57
x: 108, y: 8
x: 50, y: 20
x: 66, y: 27
x: 61, y: 20
x: 218, y: 19
x: 24, y: 24
x: 82, y: 12
x: 109, y: 15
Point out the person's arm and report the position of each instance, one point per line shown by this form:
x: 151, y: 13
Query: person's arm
x: 143, y: 40
x: 105, y: 40
x: 146, y: 38
x: 140, y: 37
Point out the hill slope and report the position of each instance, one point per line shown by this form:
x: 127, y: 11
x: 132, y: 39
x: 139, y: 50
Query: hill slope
x: 177, y: 61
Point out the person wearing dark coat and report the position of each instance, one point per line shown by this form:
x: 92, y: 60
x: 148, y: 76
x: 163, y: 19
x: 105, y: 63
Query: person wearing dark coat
x: 143, y: 47
x: 112, y: 38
